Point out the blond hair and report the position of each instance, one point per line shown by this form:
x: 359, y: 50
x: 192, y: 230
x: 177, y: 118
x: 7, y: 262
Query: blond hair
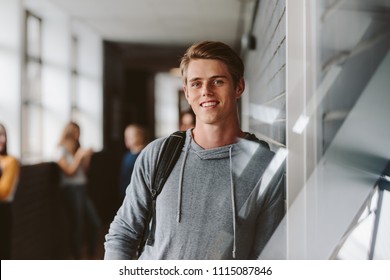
x: 214, y: 50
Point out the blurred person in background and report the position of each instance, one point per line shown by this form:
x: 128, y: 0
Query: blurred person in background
x: 9, y: 175
x: 74, y: 161
x: 187, y: 120
x: 135, y: 139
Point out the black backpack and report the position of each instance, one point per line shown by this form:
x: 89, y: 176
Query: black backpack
x: 170, y: 153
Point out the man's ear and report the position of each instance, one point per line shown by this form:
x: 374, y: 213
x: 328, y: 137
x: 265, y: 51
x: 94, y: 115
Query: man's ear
x: 186, y: 94
x: 240, y: 88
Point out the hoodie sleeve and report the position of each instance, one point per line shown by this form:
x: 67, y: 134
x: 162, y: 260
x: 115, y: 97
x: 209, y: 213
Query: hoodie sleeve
x: 127, y: 228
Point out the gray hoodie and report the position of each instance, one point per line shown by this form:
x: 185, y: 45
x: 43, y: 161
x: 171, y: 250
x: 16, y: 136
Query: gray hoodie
x: 214, y: 205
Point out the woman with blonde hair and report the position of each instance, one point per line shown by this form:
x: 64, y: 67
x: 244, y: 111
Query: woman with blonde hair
x: 9, y: 175
x: 74, y: 162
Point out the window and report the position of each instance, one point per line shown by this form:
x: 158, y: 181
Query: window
x: 75, y: 111
x: 31, y: 93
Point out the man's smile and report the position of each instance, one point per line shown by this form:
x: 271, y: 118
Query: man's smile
x: 208, y: 104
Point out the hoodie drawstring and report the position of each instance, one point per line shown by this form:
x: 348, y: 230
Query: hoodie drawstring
x: 233, y: 202
x: 178, y: 217
x: 232, y: 189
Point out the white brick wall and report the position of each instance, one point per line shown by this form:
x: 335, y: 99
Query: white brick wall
x: 266, y: 74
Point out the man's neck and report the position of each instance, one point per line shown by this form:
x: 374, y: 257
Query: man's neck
x: 209, y: 136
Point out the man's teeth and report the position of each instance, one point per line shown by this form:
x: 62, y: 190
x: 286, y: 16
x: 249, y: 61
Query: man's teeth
x: 209, y: 104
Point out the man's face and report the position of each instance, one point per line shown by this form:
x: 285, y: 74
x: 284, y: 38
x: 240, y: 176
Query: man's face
x: 211, y: 92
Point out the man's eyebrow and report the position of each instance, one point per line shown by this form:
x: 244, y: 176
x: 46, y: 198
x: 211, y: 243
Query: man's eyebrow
x: 210, y: 78
x: 194, y: 79
x: 219, y: 76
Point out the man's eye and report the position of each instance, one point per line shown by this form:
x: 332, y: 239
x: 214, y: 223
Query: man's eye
x: 195, y: 84
x: 218, y: 82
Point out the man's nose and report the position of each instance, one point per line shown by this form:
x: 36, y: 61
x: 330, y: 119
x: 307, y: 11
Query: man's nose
x: 206, y: 89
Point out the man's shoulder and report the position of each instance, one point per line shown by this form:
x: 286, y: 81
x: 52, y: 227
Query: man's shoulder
x: 253, y: 137
x: 154, y: 145
x: 154, y: 148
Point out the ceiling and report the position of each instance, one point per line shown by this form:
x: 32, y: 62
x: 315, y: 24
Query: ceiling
x: 170, y: 22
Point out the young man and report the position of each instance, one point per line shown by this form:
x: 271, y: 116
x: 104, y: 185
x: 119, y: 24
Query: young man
x: 215, y: 204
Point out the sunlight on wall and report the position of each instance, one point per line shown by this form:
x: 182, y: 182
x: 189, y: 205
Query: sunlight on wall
x: 10, y: 72
x: 166, y: 106
x: 56, y: 84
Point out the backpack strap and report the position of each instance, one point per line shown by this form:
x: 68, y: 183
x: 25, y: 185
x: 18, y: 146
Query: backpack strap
x: 170, y: 153
x: 252, y: 137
